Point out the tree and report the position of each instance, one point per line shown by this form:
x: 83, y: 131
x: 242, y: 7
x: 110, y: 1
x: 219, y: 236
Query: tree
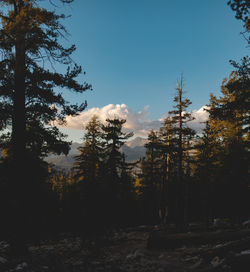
x: 236, y: 91
x: 179, y: 118
x: 151, y: 177
x: 28, y: 88
x: 242, y: 9
x: 207, y: 167
x: 115, y: 139
x: 88, y: 162
x: 115, y: 177
x: 87, y: 172
x: 231, y: 117
x: 29, y: 37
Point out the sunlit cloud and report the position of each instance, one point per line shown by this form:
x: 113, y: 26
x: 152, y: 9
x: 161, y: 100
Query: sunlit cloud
x: 200, y: 116
x: 138, y: 122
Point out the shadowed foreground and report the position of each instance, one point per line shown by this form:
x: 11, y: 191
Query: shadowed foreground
x: 130, y: 250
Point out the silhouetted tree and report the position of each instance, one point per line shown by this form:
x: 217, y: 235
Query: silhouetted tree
x: 237, y: 97
x: 87, y: 172
x: 114, y: 170
x: 207, y: 166
x: 242, y: 10
x: 231, y: 117
x: 115, y: 139
x: 168, y: 150
x: 88, y: 162
x: 179, y: 118
x: 30, y: 37
x: 151, y: 177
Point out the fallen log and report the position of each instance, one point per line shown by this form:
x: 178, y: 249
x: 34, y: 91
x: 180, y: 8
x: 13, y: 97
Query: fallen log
x: 223, y: 250
x: 163, y: 240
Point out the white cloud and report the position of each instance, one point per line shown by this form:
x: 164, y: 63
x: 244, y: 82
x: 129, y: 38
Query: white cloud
x: 138, y: 122
x: 200, y: 116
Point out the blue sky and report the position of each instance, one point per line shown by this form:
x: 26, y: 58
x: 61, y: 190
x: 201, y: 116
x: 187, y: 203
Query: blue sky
x: 133, y: 50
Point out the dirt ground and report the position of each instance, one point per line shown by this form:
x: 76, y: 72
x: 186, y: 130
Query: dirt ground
x: 127, y: 250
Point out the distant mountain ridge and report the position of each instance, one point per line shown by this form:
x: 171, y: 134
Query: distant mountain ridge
x: 133, y: 150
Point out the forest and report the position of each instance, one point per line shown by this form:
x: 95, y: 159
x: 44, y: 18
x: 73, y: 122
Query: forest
x: 186, y: 180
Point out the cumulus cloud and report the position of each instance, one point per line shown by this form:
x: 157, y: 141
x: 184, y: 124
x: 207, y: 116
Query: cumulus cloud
x: 200, y: 116
x: 138, y: 122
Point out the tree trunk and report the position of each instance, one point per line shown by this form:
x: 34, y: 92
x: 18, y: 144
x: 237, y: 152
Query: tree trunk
x: 18, y: 180
x: 18, y: 117
x: 180, y: 189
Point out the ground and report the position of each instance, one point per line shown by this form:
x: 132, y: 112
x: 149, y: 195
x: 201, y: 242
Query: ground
x: 129, y: 250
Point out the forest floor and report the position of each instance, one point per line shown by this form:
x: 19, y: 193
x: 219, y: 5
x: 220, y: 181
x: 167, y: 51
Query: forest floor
x: 133, y: 250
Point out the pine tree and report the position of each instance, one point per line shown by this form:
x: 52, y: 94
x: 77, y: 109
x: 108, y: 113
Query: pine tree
x: 179, y: 118
x: 208, y: 163
x: 151, y: 177
x: 87, y: 172
x: 29, y: 37
x: 115, y: 139
x: 29, y: 99
x: 242, y: 9
x: 168, y: 150
x: 235, y: 105
x: 231, y: 122
x: 88, y: 162
x: 116, y: 180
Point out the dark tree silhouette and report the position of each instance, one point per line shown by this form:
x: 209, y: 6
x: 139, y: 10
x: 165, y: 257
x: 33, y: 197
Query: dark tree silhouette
x: 115, y: 139
x: 229, y: 116
x: 238, y: 87
x: 88, y: 162
x: 87, y: 173
x: 242, y: 9
x: 29, y: 38
x: 151, y: 178
x: 179, y: 119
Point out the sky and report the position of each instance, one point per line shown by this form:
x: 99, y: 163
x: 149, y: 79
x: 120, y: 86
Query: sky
x: 133, y: 51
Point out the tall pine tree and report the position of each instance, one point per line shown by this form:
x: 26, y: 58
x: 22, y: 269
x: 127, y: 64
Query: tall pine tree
x: 179, y: 118
x: 29, y: 98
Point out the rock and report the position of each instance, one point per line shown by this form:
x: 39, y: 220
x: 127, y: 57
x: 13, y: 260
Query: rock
x: 191, y: 258
x: 130, y: 256
x: 246, y: 224
x: 168, y: 241
x: 4, y: 245
x: 21, y: 266
x: 218, y: 222
x: 3, y: 260
x: 137, y: 254
x: 216, y: 261
x: 245, y: 252
x: 162, y: 256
